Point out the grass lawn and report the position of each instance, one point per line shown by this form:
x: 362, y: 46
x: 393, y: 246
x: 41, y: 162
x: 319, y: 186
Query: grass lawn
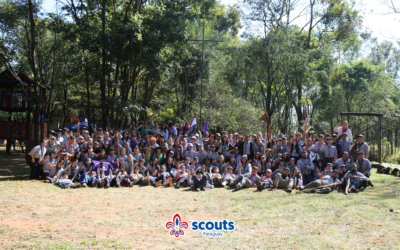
x: 37, y: 215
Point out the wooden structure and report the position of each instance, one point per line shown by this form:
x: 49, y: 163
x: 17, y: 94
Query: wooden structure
x: 12, y: 96
x: 380, y: 116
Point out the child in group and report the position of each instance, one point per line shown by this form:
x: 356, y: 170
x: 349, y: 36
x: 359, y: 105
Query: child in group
x: 256, y: 160
x: 112, y: 157
x: 128, y: 180
x: 266, y: 181
x: 74, y: 168
x: 104, y: 180
x: 181, y: 176
x: 89, y: 180
x: 328, y: 169
x: 196, y: 164
x: 297, y: 178
x: 64, y: 182
x: 136, y: 154
x: 136, y: 174
x: 142, y: 167
x: 342, y: 172
x: 49, y: 164
x: 57, y: 171
x: 102, y: 156
x: 84, y: 169
x: 221, y: 162
x: 115, y: 178
x: 152, y: 166
x: 162, y: 179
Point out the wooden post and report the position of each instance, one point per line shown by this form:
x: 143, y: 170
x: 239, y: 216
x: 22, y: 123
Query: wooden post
x: 343, y: 119
x: 266, y: 138
x: 380, y: 140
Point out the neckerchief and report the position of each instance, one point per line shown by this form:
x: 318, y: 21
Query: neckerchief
x: 359, y: 145
x: 41, y: 152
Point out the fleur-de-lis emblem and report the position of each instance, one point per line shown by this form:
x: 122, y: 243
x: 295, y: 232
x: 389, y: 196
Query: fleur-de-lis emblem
x: 176, y: 226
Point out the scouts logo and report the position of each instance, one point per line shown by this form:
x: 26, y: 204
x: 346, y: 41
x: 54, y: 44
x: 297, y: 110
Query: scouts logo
x: 176, y: 226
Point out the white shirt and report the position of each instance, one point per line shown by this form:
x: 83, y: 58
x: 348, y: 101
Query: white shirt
x: 348, y: 132
x: 39, y: 152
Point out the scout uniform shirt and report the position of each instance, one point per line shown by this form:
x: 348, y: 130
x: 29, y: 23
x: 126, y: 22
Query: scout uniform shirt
x: 363, y: 165
x: 363, y: 147
x: 38, y: 152
x: 48, y: 164
x: 328, y: 151
x: 71, y: 148
x: 253, y: 178
x: 50, y: 148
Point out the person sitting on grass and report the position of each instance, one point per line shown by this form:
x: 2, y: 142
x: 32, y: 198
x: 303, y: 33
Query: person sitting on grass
x: 196, y: 164
x: 181, y: 176
x: 228, y: 177
x: 57, y: 171
x: 49, y: 164
x: 162, y: 179
x: 115, y: 178
x: 244, y: 166
x: 84, y: 169
x: 342, y: 172
x: 266, y: 181
x: 104, y: 180
x: 246, y: 180
x: 283, y: 181
x: 65, y: 182
x: 363, y: 165
x: 324, y: 180
x: 297, y: 178
x: 355, y: 180
x: 128, y: 180
x: 199, y: 180
x: 89, y: 180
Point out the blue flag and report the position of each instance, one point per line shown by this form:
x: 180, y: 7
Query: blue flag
x: 206, y: 124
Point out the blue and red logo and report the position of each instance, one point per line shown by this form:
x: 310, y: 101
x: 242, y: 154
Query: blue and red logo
x: 177, y: 226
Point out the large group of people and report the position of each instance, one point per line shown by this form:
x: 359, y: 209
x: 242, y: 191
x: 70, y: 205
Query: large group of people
x: 183, y: 156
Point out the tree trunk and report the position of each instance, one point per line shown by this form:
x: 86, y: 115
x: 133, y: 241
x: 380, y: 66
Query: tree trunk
x: 103, y: 79
x: 36, y: 89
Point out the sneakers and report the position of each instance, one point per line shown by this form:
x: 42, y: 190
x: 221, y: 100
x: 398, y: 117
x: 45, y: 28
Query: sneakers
x: 158, y: 183
x: 103, y: 183
x: 370, y: 184
x: 177, y: 186
x: 132, y: 183
x: 273, y: 189
x: 258, y: 183
x: 263, y: 186
x: 289, y: 190
x: 65, y: 186
x: 95, y: 183
x: 202, y: 188
x: 48, y: 179
x: 84, y: 185
x: 357, y: 190
x: 185, y: 184
x: 166, y: 184
x: 313, y: 191
x: 224, y: 183
x: 107, y: 186
x: 236, y: 187
x: 197, y: 190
